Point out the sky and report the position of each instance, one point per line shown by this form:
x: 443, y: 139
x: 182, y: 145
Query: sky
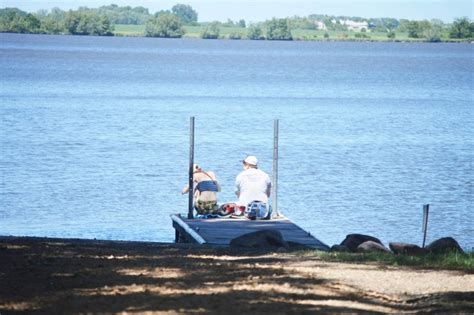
x: 260, y: 10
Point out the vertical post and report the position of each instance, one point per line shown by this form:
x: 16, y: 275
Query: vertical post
x: 275, y: 169
x: 191, y: 170
x: 426, y: 210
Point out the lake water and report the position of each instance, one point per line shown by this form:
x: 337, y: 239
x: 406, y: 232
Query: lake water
x: 95, y: 133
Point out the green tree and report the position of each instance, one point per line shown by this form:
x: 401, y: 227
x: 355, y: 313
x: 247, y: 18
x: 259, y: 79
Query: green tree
x: 242, y: 23
x: 432, y: 31
x: 403, y: 27
x: 87, y: 22
x: 165, y: 25
x: 390, y: 23
x: 211, y: 31
x: 278, y: 29
x: 53, y: 23
x: 124, y: 15
x: 71, y: 21
x: 185, y: 12
x: 13, y: 20
x: 229, y: 23
x: 415, y: 29
x: 461, y: 28
x: 255, y: 32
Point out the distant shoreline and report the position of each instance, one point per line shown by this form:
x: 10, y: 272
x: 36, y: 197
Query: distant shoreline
x: 182, y: 21
x: 410, y: 41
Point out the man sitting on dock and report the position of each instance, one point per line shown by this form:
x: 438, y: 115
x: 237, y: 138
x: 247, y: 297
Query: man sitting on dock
x: 252, y: 184
x: 206, y: 187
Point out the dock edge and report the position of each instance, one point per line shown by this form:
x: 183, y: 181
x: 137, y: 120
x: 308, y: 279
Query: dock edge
x: 182, y: 227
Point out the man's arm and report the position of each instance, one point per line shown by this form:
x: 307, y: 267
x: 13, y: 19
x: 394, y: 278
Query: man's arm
x: 237, y: 187
x: 269, y: 186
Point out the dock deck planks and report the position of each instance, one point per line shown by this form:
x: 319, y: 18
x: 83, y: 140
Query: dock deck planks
x: 221, y: 231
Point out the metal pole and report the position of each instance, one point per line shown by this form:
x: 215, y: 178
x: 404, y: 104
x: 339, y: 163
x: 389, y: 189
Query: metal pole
x: 275, y: 168
x: 191, y: 170
x: 426, y: 210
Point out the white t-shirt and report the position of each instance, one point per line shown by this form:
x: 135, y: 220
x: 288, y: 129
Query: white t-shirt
x: 252, y: 184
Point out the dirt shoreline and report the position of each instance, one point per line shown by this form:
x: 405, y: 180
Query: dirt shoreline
x: 70, y: 276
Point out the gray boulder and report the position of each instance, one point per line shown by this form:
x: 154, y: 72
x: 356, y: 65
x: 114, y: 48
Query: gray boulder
x: 444, y: 245
x: 352, y: 241
x: 371, y: 246
x: 260, y: 239
x: 407, y: 249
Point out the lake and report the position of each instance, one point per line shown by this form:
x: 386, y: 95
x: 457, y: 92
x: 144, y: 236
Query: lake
x: 95, y: 133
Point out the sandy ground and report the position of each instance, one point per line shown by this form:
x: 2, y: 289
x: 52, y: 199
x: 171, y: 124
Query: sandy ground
x: 59, y: 276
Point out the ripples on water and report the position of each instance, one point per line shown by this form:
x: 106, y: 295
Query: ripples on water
x: 94, y: 133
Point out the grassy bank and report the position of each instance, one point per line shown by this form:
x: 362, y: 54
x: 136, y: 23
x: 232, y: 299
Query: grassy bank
x: 452, y: 261
x: 298, y: 34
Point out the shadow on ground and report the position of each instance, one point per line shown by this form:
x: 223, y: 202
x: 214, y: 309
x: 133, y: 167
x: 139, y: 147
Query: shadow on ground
x: 74, y: 276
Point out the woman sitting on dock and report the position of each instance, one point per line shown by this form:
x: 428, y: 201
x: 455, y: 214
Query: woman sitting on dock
x: 206, y: 187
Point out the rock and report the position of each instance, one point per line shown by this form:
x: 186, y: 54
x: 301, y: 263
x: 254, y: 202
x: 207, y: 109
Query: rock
x: 407, y: 249
x: 352, y: 241
x: 260, y: 239
x: 371, y: 246
x: 339, y: 248
x: 444, y: 245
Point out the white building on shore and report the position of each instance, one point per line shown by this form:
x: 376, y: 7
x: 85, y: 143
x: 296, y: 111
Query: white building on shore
x: 320, y: 25
x: 355, y: 26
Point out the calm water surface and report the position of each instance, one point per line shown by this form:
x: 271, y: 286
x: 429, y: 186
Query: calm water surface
x: 95, y: 131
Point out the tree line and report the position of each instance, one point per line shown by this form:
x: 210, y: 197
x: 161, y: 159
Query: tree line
x: 171, y: 23
x: 79, y: 22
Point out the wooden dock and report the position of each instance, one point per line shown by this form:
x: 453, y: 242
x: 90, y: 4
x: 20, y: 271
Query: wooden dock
x: 221, y: 231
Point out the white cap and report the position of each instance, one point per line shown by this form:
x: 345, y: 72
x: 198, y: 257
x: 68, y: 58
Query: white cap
x: 252, y: 160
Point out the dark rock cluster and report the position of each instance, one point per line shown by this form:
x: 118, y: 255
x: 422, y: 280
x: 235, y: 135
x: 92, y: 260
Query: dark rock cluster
x: 365, y: 243
x: 270, y: 239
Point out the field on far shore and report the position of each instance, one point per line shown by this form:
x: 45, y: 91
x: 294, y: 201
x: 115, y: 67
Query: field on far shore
x: 298, y: 34
x: 70, y: 276
x: 227, y: 32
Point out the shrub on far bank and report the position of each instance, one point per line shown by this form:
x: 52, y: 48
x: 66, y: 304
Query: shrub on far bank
x: 211, y: 31
x: 235, y: 36
x: 278, y: 29
x: 391, y: 35
x: 87, y: 23
x: 255, y: 32
x: 165, y: 25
